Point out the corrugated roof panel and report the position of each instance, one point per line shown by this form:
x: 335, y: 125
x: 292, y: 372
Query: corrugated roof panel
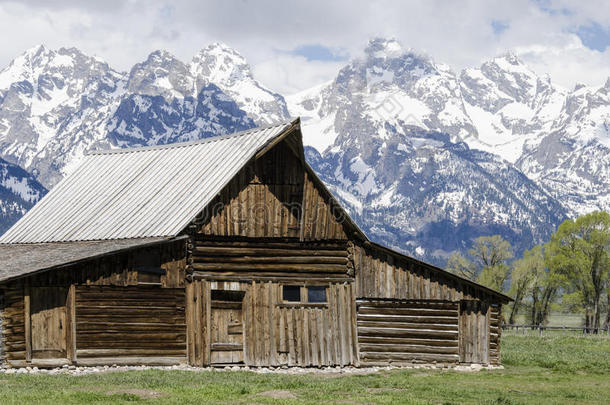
x: 136, y: 193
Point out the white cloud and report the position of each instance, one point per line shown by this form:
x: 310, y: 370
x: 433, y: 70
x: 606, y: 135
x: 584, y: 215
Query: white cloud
x: 456, y: 33
x: 290, y: 74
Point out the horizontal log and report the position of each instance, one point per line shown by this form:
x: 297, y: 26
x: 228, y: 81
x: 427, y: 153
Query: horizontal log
x: 226, y: 347
x: 16, y: 355
x: 226, y: 305
x: 406, y: 333
x: 117, y: 310
x: 300, y: 268
x: 407, y: 341
x: 129, y: 361
x: 449, y: 320
x: 408, y: 348
x: 404, y: 325
x: 406, y: 311
x: 148, y: 336
x: 231, y: 251
x: 273, y: 259
x: 141, y: 326
x: 85, y: 344
x: 129, y: 352
x: 40, y: 363
x: 126, y: 319
x: 131, y: 303
x: 246, y: 277
x: 14, y: 346
x: 129, y: 298
x: 425, y: 304
x: 409, y: 356
x: 115, y: 300
x: 203, y: 241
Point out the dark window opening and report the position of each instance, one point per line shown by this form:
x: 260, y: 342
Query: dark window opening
x: 291, y: 293
x: 316, y: 294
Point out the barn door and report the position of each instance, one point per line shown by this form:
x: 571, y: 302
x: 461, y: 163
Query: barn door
x: 474, y: 332
x: 227, y: 331
x: 48, y: 322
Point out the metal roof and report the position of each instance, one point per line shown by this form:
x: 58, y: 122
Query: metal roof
x: 141, y: 192
x: 22, y: 259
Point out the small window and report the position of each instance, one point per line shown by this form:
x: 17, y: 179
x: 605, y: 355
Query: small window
x: 291, y: 293
x: 316, y: 294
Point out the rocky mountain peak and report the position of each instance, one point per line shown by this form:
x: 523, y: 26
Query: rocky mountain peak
x: 220, y: 64
x: 228, y: 69
x: 161, y: 74
x: 383, y: 48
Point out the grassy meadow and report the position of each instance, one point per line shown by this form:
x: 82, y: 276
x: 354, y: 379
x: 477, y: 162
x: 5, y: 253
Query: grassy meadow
x: 557, y: 368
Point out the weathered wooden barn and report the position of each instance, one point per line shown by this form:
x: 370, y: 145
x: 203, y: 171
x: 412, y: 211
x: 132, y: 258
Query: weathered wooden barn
x: 225, y: 250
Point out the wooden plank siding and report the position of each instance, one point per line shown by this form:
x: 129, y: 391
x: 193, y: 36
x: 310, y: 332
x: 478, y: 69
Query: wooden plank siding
x: 278, y: 333
x: 381, y: 274
x: 273, y: 197
x: 474, y: 332
x: 407, y: 332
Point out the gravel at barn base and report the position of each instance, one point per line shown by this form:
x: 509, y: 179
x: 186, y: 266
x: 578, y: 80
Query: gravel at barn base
x: 331, y: 371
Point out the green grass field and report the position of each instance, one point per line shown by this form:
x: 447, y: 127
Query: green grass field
x: 552, y: 369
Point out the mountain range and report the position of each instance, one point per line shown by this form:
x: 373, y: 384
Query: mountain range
x: 425, y: 158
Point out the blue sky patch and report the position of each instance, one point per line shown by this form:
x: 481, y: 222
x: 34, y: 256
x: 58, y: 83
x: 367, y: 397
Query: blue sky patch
x: 594, y: 36
x: 499, y: 26
x: 320, y: 52
x: 547, y: 7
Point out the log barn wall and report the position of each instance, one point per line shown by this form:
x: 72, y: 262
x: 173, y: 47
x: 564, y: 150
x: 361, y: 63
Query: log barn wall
x: 2, y: 361
x: 407, y: 332
x: 130, y: 325
x: 495, y: 333
x: 162, y: 266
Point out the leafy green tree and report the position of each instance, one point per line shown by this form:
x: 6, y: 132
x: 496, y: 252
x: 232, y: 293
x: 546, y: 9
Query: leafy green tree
x: 579, y: 252
x: 522, y: 279
x: 458, y: 264
x: 487, y: 263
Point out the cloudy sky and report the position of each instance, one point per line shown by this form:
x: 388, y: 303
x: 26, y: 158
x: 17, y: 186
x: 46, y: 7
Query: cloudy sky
x: 293, y: 45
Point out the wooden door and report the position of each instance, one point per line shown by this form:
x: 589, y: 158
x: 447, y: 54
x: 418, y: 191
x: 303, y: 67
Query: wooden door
x: 474, y: 332
x: 227, y: 331
x: 48, y: 322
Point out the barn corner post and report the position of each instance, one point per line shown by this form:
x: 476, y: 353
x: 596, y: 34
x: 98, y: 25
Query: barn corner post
x: 2, y: 338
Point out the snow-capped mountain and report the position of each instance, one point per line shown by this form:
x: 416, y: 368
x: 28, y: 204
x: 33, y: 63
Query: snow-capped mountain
x: 396, y: 152
x: 572, y: 158
x: 57, y: 105
x: 228, y: 70
x: 425, y: 158
x: 19, y: 191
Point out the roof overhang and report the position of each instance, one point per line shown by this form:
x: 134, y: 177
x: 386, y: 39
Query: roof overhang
x: 21, y: 260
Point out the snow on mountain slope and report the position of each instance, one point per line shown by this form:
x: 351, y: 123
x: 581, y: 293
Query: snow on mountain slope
x: 57, y: 105
x: 572, y: 160
x: 426, y: 159
x: 396, y: 153
x: 508, y: 104
x: 227, y: 69
x: 19, y: 191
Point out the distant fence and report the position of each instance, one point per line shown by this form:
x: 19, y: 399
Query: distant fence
x: 541, y: 328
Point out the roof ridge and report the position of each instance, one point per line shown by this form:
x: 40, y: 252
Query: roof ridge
x: 189, y: 143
